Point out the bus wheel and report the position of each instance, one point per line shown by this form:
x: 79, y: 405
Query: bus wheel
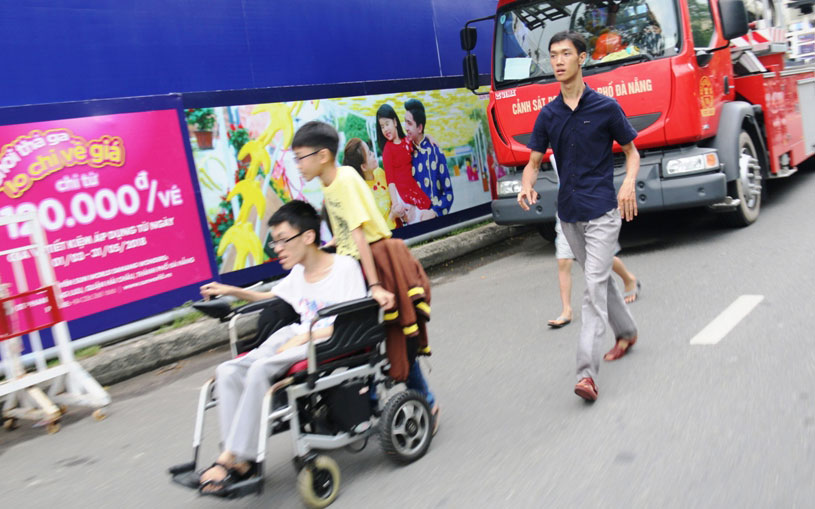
x: 747, y: 186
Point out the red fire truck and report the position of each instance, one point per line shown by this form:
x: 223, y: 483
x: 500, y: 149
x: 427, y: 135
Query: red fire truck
x: 704, y: 82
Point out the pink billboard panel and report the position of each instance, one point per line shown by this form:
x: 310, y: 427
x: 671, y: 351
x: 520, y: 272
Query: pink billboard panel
x: 115, y: 198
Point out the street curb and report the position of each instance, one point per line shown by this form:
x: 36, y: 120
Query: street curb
x: 118, y: 362
x: 132, y: 357
x: 455, y: 246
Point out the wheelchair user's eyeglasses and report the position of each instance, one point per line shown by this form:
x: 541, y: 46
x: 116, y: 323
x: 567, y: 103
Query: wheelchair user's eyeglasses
x: 300, y: 158
x: 283, y: 242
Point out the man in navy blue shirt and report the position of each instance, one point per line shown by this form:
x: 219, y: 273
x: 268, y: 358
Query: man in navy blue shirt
x: 581, y: 125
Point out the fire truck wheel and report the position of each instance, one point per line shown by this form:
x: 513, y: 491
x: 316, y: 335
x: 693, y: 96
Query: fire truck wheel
x: 747, y: 186
x: 547, y: 231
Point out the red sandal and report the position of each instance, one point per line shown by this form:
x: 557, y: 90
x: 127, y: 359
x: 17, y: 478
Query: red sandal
x: 618, y: 351
x: 586, y: 389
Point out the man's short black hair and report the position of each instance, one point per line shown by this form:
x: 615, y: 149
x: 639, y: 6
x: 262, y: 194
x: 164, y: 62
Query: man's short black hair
x: 578, y: 40
x: 300, y: 215
x: 416, y: 108
x: 317, y: 135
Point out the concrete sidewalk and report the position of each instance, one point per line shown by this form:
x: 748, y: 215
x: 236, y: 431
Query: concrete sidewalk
x: 138, y: 355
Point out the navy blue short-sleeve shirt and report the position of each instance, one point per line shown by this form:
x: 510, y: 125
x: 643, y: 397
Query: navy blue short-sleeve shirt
x: 581, y: 140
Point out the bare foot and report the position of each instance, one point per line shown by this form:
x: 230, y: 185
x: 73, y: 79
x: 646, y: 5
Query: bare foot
x: 212, y: 477
x: 217, y: 476
x: 563, y: 320
x: 632, y: 291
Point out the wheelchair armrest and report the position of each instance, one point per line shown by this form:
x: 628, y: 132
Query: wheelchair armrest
x: 221, y: 307
x: 216, y: 308
x: 347, y: 307
x: 256, y: 306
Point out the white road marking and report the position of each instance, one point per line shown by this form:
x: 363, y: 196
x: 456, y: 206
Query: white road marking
x: 727, y: 320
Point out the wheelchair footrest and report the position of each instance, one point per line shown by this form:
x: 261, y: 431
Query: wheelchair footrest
x: 186, y: 476
x: 251, y: 486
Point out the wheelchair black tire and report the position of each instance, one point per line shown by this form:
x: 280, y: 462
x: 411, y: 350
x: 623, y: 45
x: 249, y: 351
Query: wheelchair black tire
x: 399, y: 432
x: 317, y: 493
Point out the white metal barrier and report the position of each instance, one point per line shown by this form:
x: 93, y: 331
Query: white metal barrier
x: 42, y: 394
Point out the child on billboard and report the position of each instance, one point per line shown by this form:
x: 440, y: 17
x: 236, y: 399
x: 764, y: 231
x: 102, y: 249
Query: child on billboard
x: 358, y: 156
x: 408, y: 202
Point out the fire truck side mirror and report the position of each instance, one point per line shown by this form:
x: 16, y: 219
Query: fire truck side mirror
x: 469, y: 36
x: 470, y: 72
x: 733, y: 17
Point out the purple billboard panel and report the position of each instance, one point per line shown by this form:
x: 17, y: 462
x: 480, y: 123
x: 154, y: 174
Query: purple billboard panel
x: 115, y: 198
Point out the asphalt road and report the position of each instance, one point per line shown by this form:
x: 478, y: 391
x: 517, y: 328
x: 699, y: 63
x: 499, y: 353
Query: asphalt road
x: 676, y: 425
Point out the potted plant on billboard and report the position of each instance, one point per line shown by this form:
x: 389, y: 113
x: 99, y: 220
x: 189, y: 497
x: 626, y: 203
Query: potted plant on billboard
x: 203, y: 119
x: 238, y: 136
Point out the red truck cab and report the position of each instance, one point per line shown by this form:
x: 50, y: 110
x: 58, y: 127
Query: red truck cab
x: 697, y: 102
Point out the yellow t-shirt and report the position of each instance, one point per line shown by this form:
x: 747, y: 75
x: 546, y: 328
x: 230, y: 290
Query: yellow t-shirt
x: 379, y: 186
x: 350, y: 204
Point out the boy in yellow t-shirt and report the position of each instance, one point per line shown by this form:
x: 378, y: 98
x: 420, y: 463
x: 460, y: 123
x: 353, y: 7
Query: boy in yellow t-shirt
x: 395, y: 278
x: 358, y: 156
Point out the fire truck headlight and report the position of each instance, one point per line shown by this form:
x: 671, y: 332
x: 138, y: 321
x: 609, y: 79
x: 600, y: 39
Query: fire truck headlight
x: 692, y: 164
x: 509, y: 187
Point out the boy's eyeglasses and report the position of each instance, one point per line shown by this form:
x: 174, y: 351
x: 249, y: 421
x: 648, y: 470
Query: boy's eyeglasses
x: 298, y: 159
x: 283, y: 242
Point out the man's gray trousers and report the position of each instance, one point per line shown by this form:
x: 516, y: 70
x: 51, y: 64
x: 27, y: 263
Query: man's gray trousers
x: 594, y: 244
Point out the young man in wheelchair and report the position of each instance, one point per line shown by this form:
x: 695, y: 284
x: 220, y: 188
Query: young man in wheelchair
x: 317, y: 279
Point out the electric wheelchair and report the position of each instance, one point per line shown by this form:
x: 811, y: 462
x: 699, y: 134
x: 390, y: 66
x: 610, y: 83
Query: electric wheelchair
x: 324, y: 401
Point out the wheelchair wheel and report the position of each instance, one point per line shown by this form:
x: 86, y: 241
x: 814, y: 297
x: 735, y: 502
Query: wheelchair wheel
x: 319, y: 482
x: 406, y: 428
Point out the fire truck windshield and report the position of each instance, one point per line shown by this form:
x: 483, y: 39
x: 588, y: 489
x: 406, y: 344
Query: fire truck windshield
x: 616, y: 33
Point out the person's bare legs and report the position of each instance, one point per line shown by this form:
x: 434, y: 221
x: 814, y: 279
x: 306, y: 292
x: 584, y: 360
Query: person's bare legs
x: 629, y: 280
x: 564, y: 275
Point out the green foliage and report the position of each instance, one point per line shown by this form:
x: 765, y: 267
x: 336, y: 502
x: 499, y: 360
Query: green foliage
x: 240, y: 174
x: 701, y: 22
x: 202, y: 118
x: 82, y: 353
x: 354, y: 127
x: 480, y: 116
x: 223, y: 221
x: 238, y: 136
x: 187, y: 319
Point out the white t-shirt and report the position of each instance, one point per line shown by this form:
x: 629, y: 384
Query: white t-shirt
x: 344, y: 282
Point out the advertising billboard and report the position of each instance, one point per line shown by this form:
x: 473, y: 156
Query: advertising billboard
x: 444, y: 161
x: 115, y: 197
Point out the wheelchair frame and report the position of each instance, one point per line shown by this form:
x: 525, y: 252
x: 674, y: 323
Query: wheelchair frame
x: 353, y: 354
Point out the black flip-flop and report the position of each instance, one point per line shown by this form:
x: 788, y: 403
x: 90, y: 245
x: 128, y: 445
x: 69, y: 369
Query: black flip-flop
x: 563, y: 322
x: 224, y: 485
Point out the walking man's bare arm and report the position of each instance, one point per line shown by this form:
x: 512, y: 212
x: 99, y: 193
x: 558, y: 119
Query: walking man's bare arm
x: 528, y: 196
x: 627, y: 197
